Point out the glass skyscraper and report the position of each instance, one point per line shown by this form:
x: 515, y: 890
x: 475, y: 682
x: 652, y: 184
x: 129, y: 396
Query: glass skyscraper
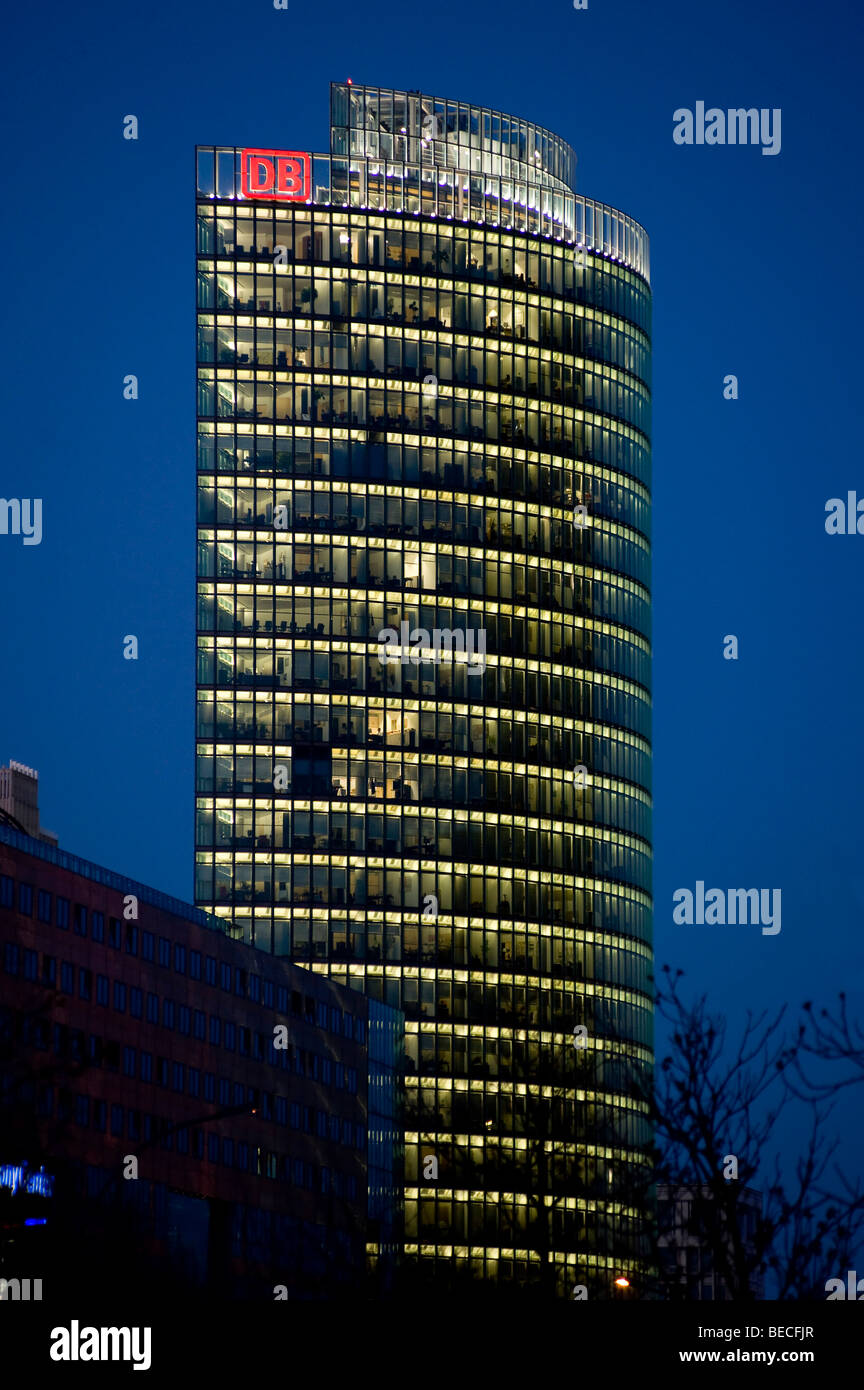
x: 423, y: 760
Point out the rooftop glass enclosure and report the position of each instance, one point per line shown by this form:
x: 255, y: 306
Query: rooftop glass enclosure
x: 407, y: 152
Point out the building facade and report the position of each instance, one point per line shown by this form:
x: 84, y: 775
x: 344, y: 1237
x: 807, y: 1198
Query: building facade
x: 19, y: 801
x: 178, y: 1106
x: 701, y: 1239
x: 423, y: 644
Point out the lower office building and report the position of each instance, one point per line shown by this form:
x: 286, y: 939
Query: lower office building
x: 698, y: 1245
x: 179, y: 1110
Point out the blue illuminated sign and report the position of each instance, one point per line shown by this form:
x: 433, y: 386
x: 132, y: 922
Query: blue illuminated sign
x: 18, y: 1175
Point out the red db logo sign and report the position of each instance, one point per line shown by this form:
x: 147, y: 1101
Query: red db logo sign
x: 282, y: 174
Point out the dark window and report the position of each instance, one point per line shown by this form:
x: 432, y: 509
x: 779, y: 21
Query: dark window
x: 182, y: 1141
x: 31, y: 965
x: 230, y: 1037
x: 152, y: 1008
x: 200, y: 1025
x: 215, y: 1031
x: 120, y: 996
x: 177, y: 1076
x: 243, y: 1156
x: 195, y: 965
x: 224, y: 1091
x: 180, y: 959
x: 267, y: 994
x: 7, y: 891
x: 45, y: 904
x: 255, y: 988
x: 209, y: 1086
x: 117, y: 1120
x: 228, y: 1152
x: 210, y: 970
x: 85, y: 984
x: 10, y: 959
x: 25, y: 899
x: 67, y: 977
x: 183, y: 1020
x: 136, y: 1001
x: 133, y: 1124
x: 194, y: 1081
x: 282, y: 999
x: 82, y: 1111
x: 99, y: 1108
x: 146, y: 1068
x: 164, y: 952
x: 148, y: 945
x: 162, y: 1071
x: 213, y: 1148
x: 114, y: 933
x: 63, y: 913
x: 102, y: 990
x: 79, y: 920
x: 168, y: 1013
x: 240, y: 982
x: 49, y: 970
x: 131, y: 945
x: 128, y: 1061
x: 97, y: 926
x: 225, y: 976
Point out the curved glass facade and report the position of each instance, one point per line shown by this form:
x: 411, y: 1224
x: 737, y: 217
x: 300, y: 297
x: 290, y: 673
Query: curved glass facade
x: 424, y: 660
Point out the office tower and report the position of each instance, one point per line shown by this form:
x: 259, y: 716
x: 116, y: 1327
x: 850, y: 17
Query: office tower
x: 423, y: 618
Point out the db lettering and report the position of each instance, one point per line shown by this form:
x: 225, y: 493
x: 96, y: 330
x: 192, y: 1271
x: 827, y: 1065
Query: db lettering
x: 276, y: 174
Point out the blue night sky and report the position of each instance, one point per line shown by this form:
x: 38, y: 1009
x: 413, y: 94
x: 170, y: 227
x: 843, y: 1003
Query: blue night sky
x: 759, y: 766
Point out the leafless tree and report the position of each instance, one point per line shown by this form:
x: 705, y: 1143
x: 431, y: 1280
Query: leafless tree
x: 714, y: 1100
